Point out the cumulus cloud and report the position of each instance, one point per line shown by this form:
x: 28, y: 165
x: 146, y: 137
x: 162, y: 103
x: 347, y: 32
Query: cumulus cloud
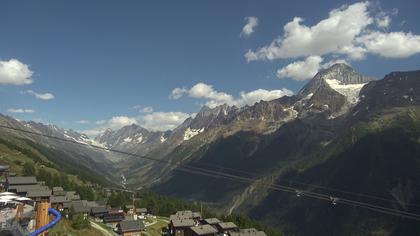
x: 15, y: 72
x: 252, y: 97
x: 215, y: 98
x: 327, y: 36
x: 306, y: 69
x: 251, y: 24
x: 42, y: 96
x: 20, y: 110
x: 351, y: 30
x: 163, y: 120
x: 393, y: 44
x: 118, y: 122
x: 114, y: 123
x: 301, y: 70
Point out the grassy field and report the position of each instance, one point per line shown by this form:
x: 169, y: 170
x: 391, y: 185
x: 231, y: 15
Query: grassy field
x: 16, y: 160
x: 155, y: 229
x: 64, y: 228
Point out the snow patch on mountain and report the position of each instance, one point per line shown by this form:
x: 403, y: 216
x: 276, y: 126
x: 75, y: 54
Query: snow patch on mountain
x: 350, y: 91
x: 127, y: 140
x: 189, y: 133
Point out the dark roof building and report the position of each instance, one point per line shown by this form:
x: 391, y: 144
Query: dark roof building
x: 113, y: 217
x: 142, y: 211
x: 184, y: 214
x: 26, y: 180
x: 58, y: 191
x: 203, y: 230
x: 99, y: 212
x: 58, y: 199
x: 227, y: 227
x: 248, y: 232
x: 128, y: 227
x: 211, y: 221
x: 182, y: 223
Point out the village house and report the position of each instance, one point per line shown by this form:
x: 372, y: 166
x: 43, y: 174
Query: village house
x: 58, y: 191
x: 203, y: 230
x: 211, y: 221
x: 227, y: 227
x: 57, y: 202
x: 248, y: 232
x: 141, y: 212
x: 130, y: 227
x: 129, y: 209
x: 181, y: 227
x: 98, y: 212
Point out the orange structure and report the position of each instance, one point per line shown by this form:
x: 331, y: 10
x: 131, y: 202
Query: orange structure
x: 42, y: 214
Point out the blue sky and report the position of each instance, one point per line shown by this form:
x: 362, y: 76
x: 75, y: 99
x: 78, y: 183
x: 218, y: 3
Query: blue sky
x: 103, y: 59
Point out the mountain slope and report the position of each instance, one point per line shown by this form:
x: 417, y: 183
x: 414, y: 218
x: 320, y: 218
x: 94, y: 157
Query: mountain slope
x: 325, y: 145
x: 81, y: 160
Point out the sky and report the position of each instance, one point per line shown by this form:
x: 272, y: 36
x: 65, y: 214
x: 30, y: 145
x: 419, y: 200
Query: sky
x: 92, y: 65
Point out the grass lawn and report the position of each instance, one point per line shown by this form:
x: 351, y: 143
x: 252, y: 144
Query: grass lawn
x: 155, y: 229
x: 64, y: 228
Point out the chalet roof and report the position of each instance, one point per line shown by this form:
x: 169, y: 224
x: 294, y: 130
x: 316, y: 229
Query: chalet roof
x: 203, y: 229
x: 22, y: 180
x: 184, y: 214
x: 196, y: 215
x: 248, y: 232
x: 38, y: 193
x: 141, y: 210
x: 78, y: 206
x: 131, y: 226
x: 91, y: 204
x: 26, y: 188
x: 182, y: 223
x: 227, y: 225
x: 58, y: 199
x: 99, y: 210
x: 129, y: 206
x: 212, y: 221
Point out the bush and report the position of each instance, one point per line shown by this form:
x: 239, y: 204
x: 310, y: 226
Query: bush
x: 80, y: 223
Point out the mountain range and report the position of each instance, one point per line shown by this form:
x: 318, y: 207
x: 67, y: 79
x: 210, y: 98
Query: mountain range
x: 344, y: 134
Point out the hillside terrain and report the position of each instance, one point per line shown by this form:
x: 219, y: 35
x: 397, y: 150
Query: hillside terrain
x: 344, y: 135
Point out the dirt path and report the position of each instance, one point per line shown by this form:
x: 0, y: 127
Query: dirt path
x: 98, y: 227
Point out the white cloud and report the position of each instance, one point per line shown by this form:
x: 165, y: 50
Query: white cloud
x: 114, y: 123
x: 301, y: 70
x: 351, y: 30
x: 20, y: 110
x: 42, y: 96
x: 83, y: 122
x: 14, y: 72
x: 163, y: 120
x: 252, y: 97
x: 393, y: 44
x: 327, y: 36
x: 215, y: 98
x: 204, y: 91
x: 307, y: 69
x: 118, y: 122
x: 177, y: 93
x: 153, y: 121
x: 251, y: 24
